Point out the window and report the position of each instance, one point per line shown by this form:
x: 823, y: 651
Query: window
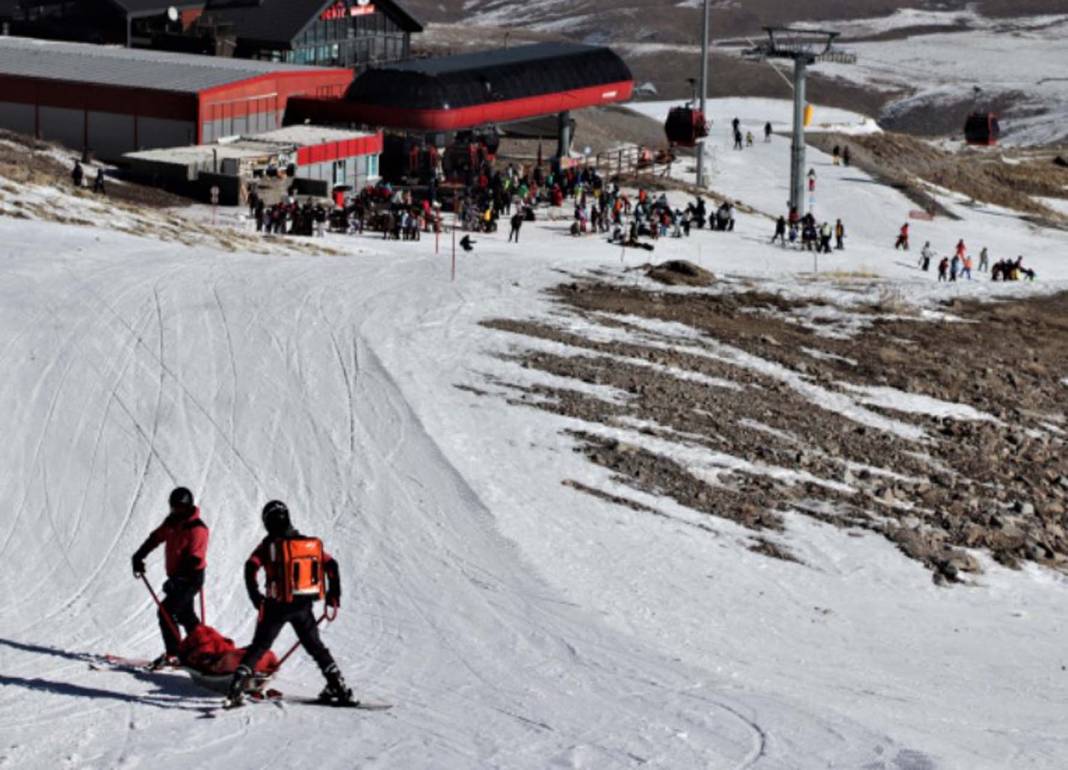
x: 372, y: 166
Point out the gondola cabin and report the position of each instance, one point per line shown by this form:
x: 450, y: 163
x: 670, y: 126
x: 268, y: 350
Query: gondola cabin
x: 685, y: 125
x: 982, y: 129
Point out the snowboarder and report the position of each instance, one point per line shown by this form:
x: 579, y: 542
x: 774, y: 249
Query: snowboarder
x: 77, y: 174
x: 184, y: 536
x: 984, y: 260
x: 291, y: 592
x: 926, y: 255
x: 839, y: 235
x: 902, y: 238
x: 780, y: 231
x: 767, y: 131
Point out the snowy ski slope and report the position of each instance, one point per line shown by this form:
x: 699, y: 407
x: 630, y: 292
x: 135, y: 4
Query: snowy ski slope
x: 514, y: 622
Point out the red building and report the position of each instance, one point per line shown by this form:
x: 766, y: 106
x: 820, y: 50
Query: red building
x: 117, y: 100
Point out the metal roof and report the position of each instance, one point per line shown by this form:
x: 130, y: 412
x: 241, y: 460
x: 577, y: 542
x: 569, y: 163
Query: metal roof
x: 308, y: 135
x: 531, y: 53
x: 130, y: 67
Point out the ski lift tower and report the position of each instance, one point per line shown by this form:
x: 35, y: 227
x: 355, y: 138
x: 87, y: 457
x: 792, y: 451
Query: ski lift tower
x: 805, y: 47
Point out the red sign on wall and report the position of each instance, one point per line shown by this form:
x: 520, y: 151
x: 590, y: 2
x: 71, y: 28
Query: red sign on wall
x: 339, y: 11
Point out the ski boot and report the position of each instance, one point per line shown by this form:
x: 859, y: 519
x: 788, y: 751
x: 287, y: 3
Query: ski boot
x: 166, y: 660
x: 336, y: 691
x: 235, y: 696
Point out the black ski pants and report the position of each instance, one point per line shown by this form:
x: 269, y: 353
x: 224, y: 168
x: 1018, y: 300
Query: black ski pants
x: 178, y: 596
x: 275, y: 616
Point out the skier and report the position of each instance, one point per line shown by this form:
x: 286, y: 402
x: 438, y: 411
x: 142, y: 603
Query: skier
x: 516, y: 222
x: 185, y: 538
x: 961, y: 249
x: 839, y: 235
x: 767, y: 131
x: 954, y: 268
x: 943, y: 269
x: 984, y: 260
x: 903, y: 238
x: 780, y: 231
x: 291, y: 592
x: 926, y: 255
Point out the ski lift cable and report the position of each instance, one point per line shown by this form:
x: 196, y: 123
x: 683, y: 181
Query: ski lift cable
x: 774, y: 69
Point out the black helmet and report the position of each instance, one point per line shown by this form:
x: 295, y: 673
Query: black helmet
x: 276, y: 518
x: 181, y: 500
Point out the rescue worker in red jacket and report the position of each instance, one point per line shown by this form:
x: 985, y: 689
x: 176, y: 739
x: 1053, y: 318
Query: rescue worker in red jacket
x: 277, y: 608
x: 184, y: 536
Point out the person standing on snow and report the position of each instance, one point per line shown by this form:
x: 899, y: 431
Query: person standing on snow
x: 961, y: 249
x: 926, y: 255
x: 767, y: 131
x: 780, y: 231
x: 954, y: 268
x: 943, y: 269
x: 902, y: 238
x: 825, y: 238
x: 516, y: 222
x: 839, y: 235
x: 966, y: 268
x: 184, y: 536
x: 286, y: 603
x: 984, y: 260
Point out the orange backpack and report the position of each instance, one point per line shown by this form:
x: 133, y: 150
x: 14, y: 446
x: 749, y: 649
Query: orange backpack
x: 298, y: 569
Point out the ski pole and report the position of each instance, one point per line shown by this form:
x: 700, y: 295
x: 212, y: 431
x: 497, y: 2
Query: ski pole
x: 163, y: 613
x: 325, y: 616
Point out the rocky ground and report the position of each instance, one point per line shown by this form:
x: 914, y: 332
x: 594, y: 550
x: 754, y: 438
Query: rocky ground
x: 758, y: 387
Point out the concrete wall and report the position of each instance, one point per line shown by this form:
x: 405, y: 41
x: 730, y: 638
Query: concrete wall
x: 59, y: 124
x: 20, y: 118
x: 162, y: 132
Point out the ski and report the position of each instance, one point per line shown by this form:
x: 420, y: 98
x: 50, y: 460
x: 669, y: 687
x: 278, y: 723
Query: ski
x: 120, y: 663
x: 362, y: 705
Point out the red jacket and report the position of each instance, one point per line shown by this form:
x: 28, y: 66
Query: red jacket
x: 186, y: 544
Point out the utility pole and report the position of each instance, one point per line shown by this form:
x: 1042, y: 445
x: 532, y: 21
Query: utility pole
x: 804, y: 47
x: 704, y: 92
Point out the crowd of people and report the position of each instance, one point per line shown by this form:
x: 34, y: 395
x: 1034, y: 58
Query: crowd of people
x: 959, y: 267
x: 803, y: 231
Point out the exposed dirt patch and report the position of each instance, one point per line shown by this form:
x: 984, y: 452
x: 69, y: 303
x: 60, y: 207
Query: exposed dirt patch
x: 679, y: 272
x: 742, y: 417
